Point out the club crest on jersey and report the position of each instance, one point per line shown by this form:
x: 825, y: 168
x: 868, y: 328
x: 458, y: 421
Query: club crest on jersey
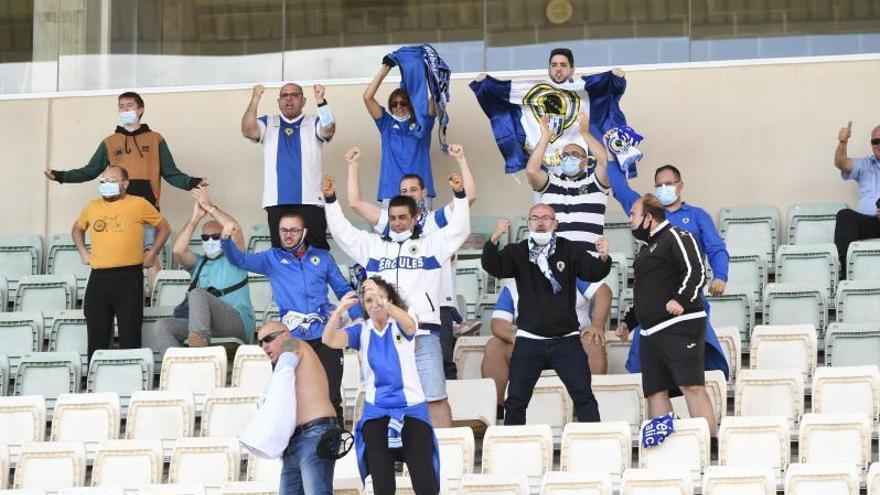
x: 685, y: 220
x: 288, y: 131
x: 559, y: 105
x: 315, y: 260
x: 560, y: 266
x: 584, y: 189
x: 413, y: 249
x: 651, y: 249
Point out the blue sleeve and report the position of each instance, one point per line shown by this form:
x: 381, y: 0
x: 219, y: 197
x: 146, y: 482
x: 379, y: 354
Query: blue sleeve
x: 384, y: 122
x: 713, y: 246
x: 354, y: 336
x: 440, y: 217
x: 264, y: 119
x: 620, y: 185
x: 505, y: 302
x: 856, y: 172
x: 505, y: 118
x: 340, y: 285
x: 404, y: 334
x: 252, y: 262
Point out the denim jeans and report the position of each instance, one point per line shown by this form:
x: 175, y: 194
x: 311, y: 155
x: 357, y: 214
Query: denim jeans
x: 303, y: 472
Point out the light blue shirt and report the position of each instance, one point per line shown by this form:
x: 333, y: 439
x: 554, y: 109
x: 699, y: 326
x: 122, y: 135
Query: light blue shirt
x: 866, y: 171
x: 219, y: 273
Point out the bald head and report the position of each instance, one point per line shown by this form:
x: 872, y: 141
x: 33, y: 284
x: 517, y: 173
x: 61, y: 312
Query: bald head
x: 291, y: 100
x: 212, y: 227
x: 271, y: 337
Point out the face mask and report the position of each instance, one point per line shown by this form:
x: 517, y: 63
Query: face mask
x: 666, y: 194
x: 128, y: 117
x: 571, y: 166
x: 212, y: 248
x: 299, y: 244
x: 400, y: 236
x: 401, y: 118
x: 642, y: 232
x: 108, y: 189
x: 540, y: 238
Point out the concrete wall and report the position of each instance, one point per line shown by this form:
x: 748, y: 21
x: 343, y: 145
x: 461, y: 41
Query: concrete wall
x: 753, y: 134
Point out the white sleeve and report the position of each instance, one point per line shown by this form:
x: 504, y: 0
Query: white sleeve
x: 354, y: 241
x: 382, y: 224
x: 269, y: 432
x: 263, y: 128
x: 446, y: 241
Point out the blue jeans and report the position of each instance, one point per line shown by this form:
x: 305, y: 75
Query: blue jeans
x: 303, y: 472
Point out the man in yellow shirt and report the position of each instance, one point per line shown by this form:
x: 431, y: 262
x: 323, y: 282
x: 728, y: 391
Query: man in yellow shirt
x: 115, y: 223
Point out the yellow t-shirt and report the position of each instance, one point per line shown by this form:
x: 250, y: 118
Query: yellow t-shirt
x: 116, y: 229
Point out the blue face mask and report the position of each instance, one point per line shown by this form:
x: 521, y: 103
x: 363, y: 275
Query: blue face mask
x: 571, y: 166
x: 108, y: 189
x: 128, y: 117
x: 666, y: 194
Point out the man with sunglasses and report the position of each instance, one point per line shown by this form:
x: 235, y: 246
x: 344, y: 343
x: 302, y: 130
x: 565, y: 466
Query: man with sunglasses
x: 299, y: 275
x: 545, y: 268
x: 855, y: 225
x: 292, y: 165
x: 307, y: 465
x: 218, y: 303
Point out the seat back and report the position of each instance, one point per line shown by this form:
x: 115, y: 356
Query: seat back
x: 169, y: 287
x: 794, y: 304
x: 716, y: 388
x: 858, y: 301
x: 863, y: 260
x: 770, y: 393
x: 456, y: 451
x: 734, y: 308
x: 522, y: 449
x: 48, y: 374
x: 496, y: 484
x: 812, y: 223
x: 816, y: 264
x: 747, y: 441
x: 605, y: 446
x: 162, y: 414
x: 550, y: 405
x: 70, y: 334
x: 723, y: 480
x: 20, y: 333
x: 259, y: 469
x: 747, y: 272
x: 847, y: 389
x: 821, y: 479
x: 50, y: 466
x: 468, y: 356
x: 784, y: 347
x: 835, y: 439
x: 127, y: 463
x: 228, y: 411
x: 750, y: 228
x: 199, y: 370
x: 47, y: 293
x: 89, y: 418
x: 472, y: 400
x: 123, y: 371
x: 261, y: 294
x: 251, y: 368
x: 620, y: 398
x: 730, y: 339
x: 22, y: 420
x: 686, y: 448
x: 656, y: 482
x: 208, y: 461
x: 852, y: 344
x: 586, y: 483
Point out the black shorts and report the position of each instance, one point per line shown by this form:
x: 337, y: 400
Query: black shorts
x: 674, y: 357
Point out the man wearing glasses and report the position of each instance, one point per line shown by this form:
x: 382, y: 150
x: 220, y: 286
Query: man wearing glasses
x: 546, y: 267
x: 299, y: 274
x: 865, y: 223
x: 218, y: 303
x: 292, y: 165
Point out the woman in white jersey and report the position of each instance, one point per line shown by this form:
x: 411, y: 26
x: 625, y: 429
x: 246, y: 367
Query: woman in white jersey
x: 395, y: 425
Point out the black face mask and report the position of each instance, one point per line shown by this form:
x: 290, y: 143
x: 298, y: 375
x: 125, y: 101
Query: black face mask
x: 643, y: 231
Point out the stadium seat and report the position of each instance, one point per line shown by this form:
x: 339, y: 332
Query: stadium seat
x: 816, y: 264
x: 170, y: 287
x: 20, y: 255
x: 821, y: 479
x: 249, y: 488
x: 755, y: 441
x: 847, y: 389
x: 730, y: 339
x: 456, y: 453
x: 733, y: 309
x: 22, y: 420
x: 50, y: 466
x: 747, y: 272
x: 656, y: 482
x: 123, y: 371
x: 48, y: 374
x: 197, y: 369
x: 271, y: 313
x: 351, y: 380
x: 583, y: 483
x: 128, y: 463
x: 523, y: 449
x: 619, y: 234
x: 852, y: 344
x: 605, y: 446
x: 858, y: 301
x: 228, y: 411
x: 467, y: 285
x: 64, y: 258
x: 722, y: 480
x: 151, y: 316
x: 616, y: 352
x: 5, y: 375
x: 20, y: 334
x: 497, y: 484
x: 46, y: 293
x: 626, y: 302
x: 812, y: 223
x: 472, y: 400
x: 793, y: 304
x: 258, y: 238
x: 208, y: 461
x: 259, y: 469
x: 4, y: 466
x: 88, y: 418
x: 69, y: 334
x: 261, y: 294
x: 750, y: 228
x: 687, y: 448
x: 835, y: 439
x: 468, y: 356
x: 251, y: 367
x: 874, y: 479
x: 716, y: 387
x: 620, y: 398
x: 770, y: 393
x: 173, y: 489
x: 617, y: 280
x: 550, y: 405
x: 161, y: 414
x: 784, y: 347
x: 863, y: 260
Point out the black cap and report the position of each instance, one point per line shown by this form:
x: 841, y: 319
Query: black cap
x: 564, y: 52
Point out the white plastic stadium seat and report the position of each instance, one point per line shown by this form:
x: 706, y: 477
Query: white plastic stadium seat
x: 763, y: 441
x: 68, y: 333
x: 794, y: 304
x: 64, y: 257
x: 258, y: 238
x: 784, y: 347
x: 228, y: 411
x: 259, y: 469
x: 747, y: 272
x: 351, y: 380
x: 874, y: 479
x: 523, y: 449
x: 550, y: 405
x: 730, y: 339
x: 46, y: 293
x: 20, y: 255
x: 456, y: 453
x: 127, y: 463
x: 847, y: 389
x: 852, y: 344
x: 468, y: 356
x: 716, y: 387
x: 812, y: 223
x: 858, y: 301
x: 208, y: 461
x: 197, y: 369
x: 89, y: 418
x: 4, y: 466
x: 616, y: 280
x: 734, y: 308
x: 604, y: 446
x: 20, y: 334
x: 251, y: 368
x: 161, y: 414
x: 22, y: 420
x: 821, y: 479
x: 123, y: 371
x: 48, y: 374
x: 722, y: 480
x: 809, y: 264
x: 170, y: 287
x: 620, y: 398
x: 583, y: 483
x: 616, y: 352
x: 687, y: 448
x: 152, y: 316
x: 835, y: 439
x: 50, y: 466
x: 656, y: 482
x: 496, y: 484
x: 750, y: 228
x: 863, y: 260
x: 472, y: 400
x: 770, y: 393
x: 261, y: 294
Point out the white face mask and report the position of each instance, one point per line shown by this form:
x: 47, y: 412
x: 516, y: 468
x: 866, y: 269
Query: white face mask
x: 127, y: 117
x: 400, y: 236
x: 401, y: 118
x: 212, y: 248
x: 666, y: 194
x: 540, y: 238
x: 108, y: 189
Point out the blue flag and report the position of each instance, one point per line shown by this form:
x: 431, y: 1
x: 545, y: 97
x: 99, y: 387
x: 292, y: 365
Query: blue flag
x: 422, y: 70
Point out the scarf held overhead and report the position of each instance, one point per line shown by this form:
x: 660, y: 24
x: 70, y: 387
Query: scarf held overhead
x: 422, y: 70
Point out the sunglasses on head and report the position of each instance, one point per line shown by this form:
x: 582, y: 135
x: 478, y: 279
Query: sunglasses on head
x: 269, y: 338
x: 875, y: 141
x: 205, y: 237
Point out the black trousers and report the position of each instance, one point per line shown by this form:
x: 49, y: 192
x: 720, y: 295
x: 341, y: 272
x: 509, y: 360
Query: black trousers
x: 447, y: 343
x: 417, y: 452
x: 315, y: 219
x: 853, y: 226
x: 566, y: 356
x: 115, y: 292
x: 332, y: 360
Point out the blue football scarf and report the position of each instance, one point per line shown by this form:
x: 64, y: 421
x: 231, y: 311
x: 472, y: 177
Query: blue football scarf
x: 656, y: 430
x: 621, y: 142
x: 540, y: 256
x: 422, y: 70
x: 515, y: 109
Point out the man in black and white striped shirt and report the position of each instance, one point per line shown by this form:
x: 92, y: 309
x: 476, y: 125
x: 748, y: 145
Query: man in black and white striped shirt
x: 578, y: 198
